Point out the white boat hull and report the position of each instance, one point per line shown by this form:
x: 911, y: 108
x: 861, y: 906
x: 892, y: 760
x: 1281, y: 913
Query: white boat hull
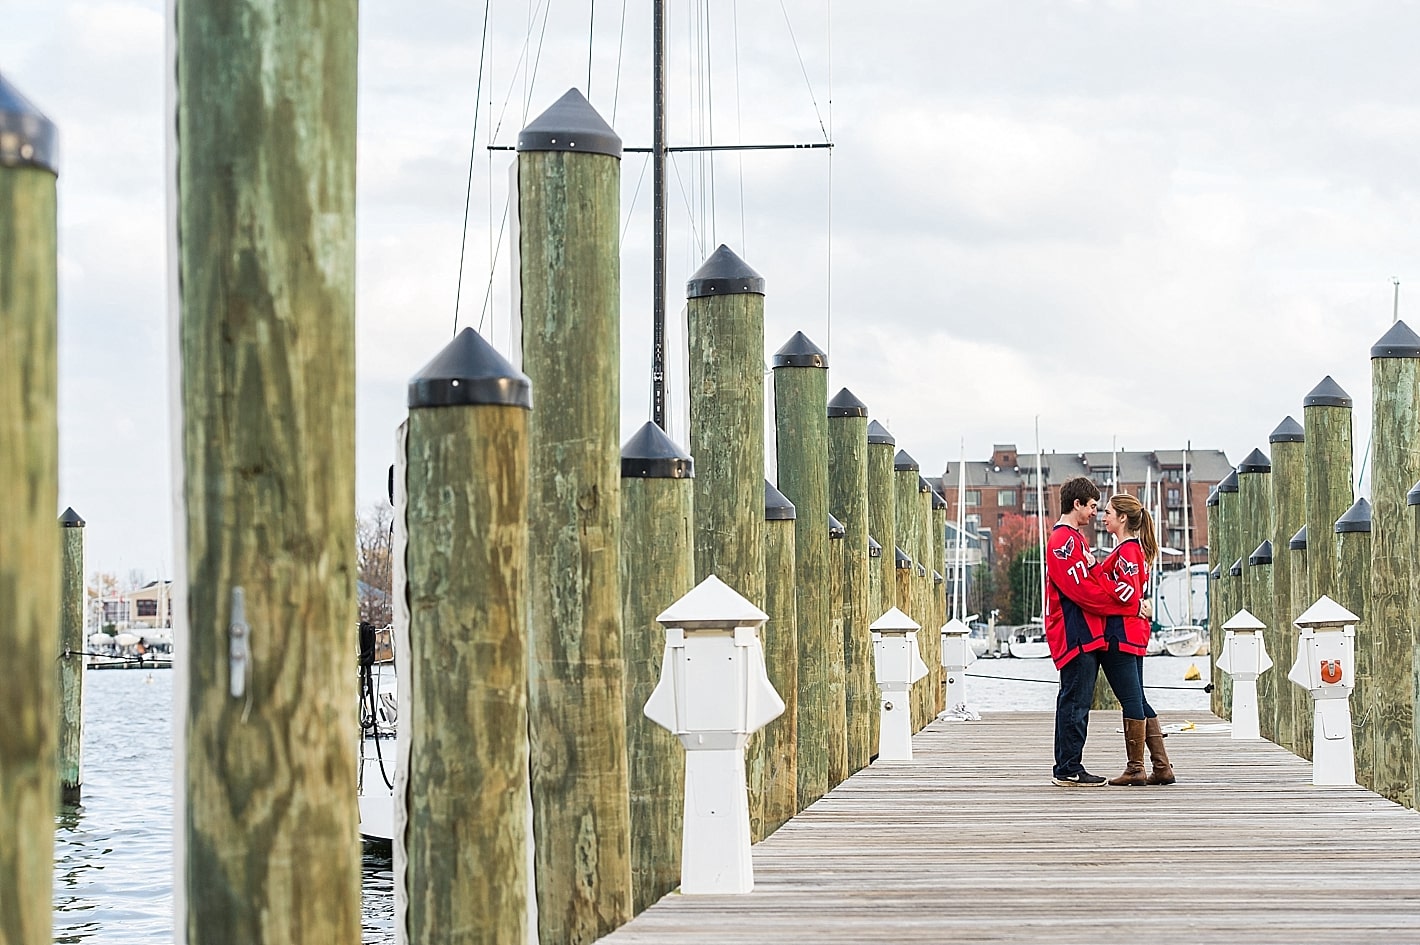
x: 1184, y: 641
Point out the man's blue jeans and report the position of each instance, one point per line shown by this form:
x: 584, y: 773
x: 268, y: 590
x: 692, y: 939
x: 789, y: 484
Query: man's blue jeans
x: 1072, y: 712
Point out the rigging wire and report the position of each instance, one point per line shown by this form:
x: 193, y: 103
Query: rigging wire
x: 472, y: 154
x: 697, y: 244
x: 804, y: 69
x: 630, y: 211
x: 591, y: 37
x: 710, y: 117
x: 739, y: 126
x: 620, y: 48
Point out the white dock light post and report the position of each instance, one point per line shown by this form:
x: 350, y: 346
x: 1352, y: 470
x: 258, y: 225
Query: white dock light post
x: 1326, y: 664
x: 899, y: 665
x: 713, y: 694
x: 1244, y: 658
x: 956, y: 657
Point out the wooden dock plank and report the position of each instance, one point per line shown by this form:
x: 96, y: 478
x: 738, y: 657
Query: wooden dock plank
x: 972, y: 843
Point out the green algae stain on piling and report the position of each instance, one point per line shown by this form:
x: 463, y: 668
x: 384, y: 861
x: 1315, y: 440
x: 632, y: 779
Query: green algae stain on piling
x: 1229, y: 542
x: 1301, y: 708
x: 29, y: 554
x: 1255, y: 526
x: 657, y: 569
x: 882, y: 516
x: 773, y: 751
x: 848, y: 497
x: 569, y: 173
x: 466, y: 479
x: 1395, y: 464
x: 71, y: 657
x: 1353, y: 591
x: 1289, y: 513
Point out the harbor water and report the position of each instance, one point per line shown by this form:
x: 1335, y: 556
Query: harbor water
x: 113, y: 853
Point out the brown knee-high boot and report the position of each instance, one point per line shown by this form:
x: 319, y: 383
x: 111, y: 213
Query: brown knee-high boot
x: 1154, y: 739
x: 1134, y: 748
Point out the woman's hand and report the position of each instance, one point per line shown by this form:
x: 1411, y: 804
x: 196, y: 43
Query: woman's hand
x: 1146, y: 609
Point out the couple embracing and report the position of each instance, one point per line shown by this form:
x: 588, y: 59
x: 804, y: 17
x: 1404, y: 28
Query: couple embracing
x: 1096, y: 617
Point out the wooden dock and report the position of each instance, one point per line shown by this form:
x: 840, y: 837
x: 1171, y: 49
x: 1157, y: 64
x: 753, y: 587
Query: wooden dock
x: 972, y: 843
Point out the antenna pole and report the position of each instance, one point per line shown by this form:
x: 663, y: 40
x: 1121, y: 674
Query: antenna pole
x: 1395, y: 307
x: 658, y: 183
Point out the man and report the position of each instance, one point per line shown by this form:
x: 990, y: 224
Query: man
x: 1075, y: 611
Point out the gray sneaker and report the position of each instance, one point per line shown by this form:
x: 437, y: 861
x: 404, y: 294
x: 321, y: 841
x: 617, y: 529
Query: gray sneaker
x: 1079, y: 779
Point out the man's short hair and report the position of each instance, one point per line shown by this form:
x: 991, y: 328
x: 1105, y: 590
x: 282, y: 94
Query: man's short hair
x: 1080, y: 489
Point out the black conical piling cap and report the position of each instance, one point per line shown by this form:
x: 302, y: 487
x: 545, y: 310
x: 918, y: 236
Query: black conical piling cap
x: 844, y: 404
x: 724, y: 273
x: 904, y: 563
x: 1327, y: 394
x: 1262, y: 554
x: 1212, y: 497
x: 650, y: 454
x: 938, y: 503
x: 1255, y: 462
x: 1298, y: 541
x: 27, y: 138
x: 1288, y: 431
x: 937, y: 577
x: 923, y: 485
x: 1356, y: 519
x: 1229, y: 483
x: 1216, y: 574
x: 903, y: 462
x: 799, y: 351
x: 71, y: 519
x: 1399, y: 342
x: 777, y: 507
x: 1413, y: 496
x: 878, y: 435
x: 571, y: 124
x: 469, y: 372
x: 1236, y: 569
x: 836, y: 529
x: 875, y: 550
x: 921, y: 570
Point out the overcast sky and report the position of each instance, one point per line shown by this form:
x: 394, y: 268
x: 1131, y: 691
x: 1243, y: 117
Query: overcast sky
x: 1141, y: 222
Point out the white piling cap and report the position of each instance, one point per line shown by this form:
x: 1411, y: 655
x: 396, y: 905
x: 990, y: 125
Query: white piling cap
x: 1326, y: 613
x: 1242, y: 620
x: 895, y: 621
x: 955, y: 626
x: 712, y: 604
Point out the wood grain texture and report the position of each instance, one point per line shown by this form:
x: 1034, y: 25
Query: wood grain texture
x: 909, y: 587
x: 1353, y: 591
x: 1289, y: 513
x: 837, y: 670
x: 1216, y: 541
x: 1328, y: 493
x: 916, y: 852
x: 657, y: 569
x: 772, y: 753
x: 1256, y: 526
x: 848, y: 500
x: 568, y: 208
x: 938, y: 533
x: 71, y: 663
x: 467, y: 561
x: 801, y: 421
x: 266, y: 273
x: 29, y: 553
x: 1395, y: 466
x: 882, y: 524
x: 1229, y: 596
x: 1302, y: 705
x: 930, y: 554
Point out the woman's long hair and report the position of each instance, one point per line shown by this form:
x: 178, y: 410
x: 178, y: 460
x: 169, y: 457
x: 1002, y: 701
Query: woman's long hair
x: 1139, y: 520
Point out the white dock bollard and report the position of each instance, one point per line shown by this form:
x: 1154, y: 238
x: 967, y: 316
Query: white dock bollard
x: 899, y: 665
x: 1244, y: 658
x: 1326, y: 663
x: 957, y: 655
x: 714, y: 692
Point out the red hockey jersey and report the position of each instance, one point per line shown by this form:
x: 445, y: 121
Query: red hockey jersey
x: 1124, y: 573
x: 1075, y: 604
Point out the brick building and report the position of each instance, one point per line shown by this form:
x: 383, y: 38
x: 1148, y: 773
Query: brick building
x: 1005, y: 485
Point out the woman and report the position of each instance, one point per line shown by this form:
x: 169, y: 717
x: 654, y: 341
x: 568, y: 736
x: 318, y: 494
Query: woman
x: 1126, y: 572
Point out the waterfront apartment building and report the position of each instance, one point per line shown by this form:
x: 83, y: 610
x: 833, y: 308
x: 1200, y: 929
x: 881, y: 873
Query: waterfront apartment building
x: 1006, y: 485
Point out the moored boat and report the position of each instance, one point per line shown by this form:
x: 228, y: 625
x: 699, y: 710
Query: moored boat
x: 1184, y: 641
x: 1028, y: 643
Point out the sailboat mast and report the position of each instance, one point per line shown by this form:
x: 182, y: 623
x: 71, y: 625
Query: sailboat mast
x: 1187, y: 536
x: 658, y: 183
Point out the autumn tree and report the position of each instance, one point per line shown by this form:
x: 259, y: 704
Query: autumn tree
x: 1015, y: 535
x: 374, y: 560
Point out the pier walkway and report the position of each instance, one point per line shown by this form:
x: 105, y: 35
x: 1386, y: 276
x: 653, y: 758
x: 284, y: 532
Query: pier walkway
x: 972, y: 843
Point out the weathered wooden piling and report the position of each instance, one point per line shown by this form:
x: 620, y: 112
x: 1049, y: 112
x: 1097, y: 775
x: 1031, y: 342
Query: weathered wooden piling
x: 29, y: 553
x: 903, y: 572
x: 1301, y: 707
x: 882, y: 513
x: 1326, y: 412
x: 1229, y: 544
x: 937, y: 532
x: 1412, y: 500
x: 848, y: 497
x: 1214, y: 572
x: 657, y: 569
x: 1395, y: 567
x: 725, y: 315
x: 1353, y: 591
x: 875, y: 606
x: 1258, y: 575
x: 1254, y: 528
x: 801, y: 422
x: 930, y: 555
x: 71, y: 657
x: 265, y: 224
x: 772, y: 756
x: 838, y: 769
x: 466, y: 671
x: 1289, y: 513
x: 909, y: 597
x: 569, y: 173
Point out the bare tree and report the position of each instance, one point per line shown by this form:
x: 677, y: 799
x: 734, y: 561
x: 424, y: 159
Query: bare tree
x: 373, y: 551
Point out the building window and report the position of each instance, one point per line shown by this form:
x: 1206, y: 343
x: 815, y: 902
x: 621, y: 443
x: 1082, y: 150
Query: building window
x: 973, y: 498
x: 1006, y: 497
x: 973, y: 523
x: 147, y: 608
